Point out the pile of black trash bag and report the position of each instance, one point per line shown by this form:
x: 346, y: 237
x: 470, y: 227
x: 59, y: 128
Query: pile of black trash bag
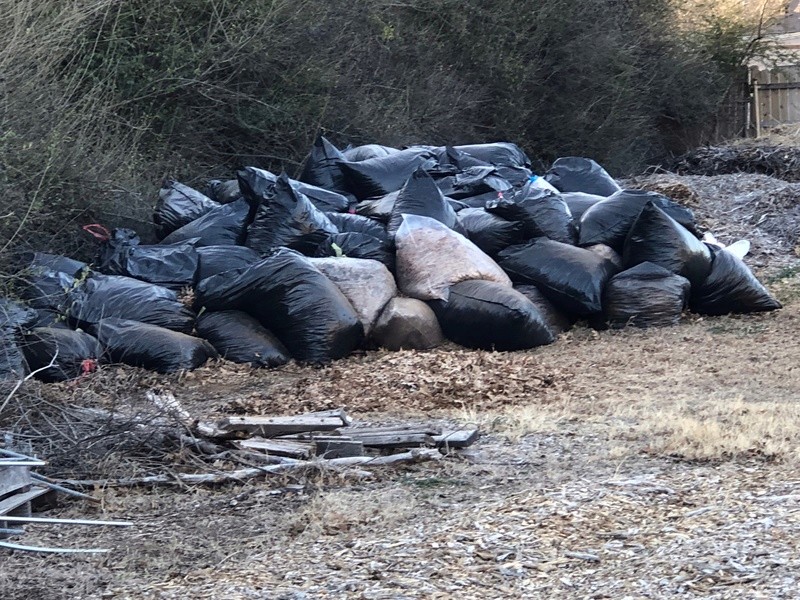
x: 370, y: 247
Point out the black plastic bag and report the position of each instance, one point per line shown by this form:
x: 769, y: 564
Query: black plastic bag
x: 40, y: 261
x: 286, y: 218
x: 240, y: 338
x: 420, y: 196
x: 376, y: 177
x: 516, y: 176
x: 47, y: 317
x: 645, y: 296
x: 170, y: 265
x: 151, y: 347
x: 570, y: 277
x: 473, y: 182
x: 579, y: 203
x: 480, y: 200
x: 502, y: 154
x: 12, y: 361
x: 379, y: 209
x: 72, y: 353
x: 179, y: 205
x: 223, y: 192
x: 292, y: 299
x: 368, y: 151
x: 608, y: 222
x: 541, y: 212
x: 489, y: 232
x: 658, y: 238
x: 104, y: 296
x: 255, y: 183
x: 457, y: 205
x: 14, y: 315
x: 322, y: 168
x: 484, y: 314
x: 357, y: 245
x: 217, y: 259
x: 226, y: 225
x: 460, y: 160
x: 575, y: 174
x: 556, y: 320
x: 347, y: 223
x: 731, y: 287
x: 44, y: 289
x: 110, y: 255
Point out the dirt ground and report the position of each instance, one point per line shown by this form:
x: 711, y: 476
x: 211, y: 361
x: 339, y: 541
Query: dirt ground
x: 616, y: 464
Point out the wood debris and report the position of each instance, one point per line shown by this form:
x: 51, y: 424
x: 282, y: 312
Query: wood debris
x: 277, y: 444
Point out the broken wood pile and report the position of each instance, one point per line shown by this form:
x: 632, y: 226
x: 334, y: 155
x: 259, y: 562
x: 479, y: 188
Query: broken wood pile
x: 776, y: 161
x: 318, y: 440
x: 331, y: 434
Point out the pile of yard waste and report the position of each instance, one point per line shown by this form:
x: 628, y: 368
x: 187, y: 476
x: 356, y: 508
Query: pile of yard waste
x: 372, y: 247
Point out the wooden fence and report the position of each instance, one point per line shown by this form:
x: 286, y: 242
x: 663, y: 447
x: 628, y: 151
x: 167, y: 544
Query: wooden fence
x: 775, y: 97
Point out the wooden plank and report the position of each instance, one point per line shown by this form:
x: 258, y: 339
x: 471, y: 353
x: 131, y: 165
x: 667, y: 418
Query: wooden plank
x: 336, y: 412
x: 338, y: 448
x: 17, y: 500
x: 291, y: 448
x: 786, y: 85
x: 457, y: 439
x: 426, y: 429
x: 394, y: 440
x: 275, y: 426
x: 13, y: 478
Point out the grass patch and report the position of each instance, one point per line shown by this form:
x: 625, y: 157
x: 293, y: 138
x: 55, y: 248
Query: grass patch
x: 718, y: 431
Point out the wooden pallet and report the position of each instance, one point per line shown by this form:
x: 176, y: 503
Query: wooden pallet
x: 17, y: 490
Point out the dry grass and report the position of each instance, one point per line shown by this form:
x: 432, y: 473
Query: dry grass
x: 355, y: 511
x: 737, y: 430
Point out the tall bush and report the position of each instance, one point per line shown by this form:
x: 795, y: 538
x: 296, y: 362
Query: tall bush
x: 103, y: 98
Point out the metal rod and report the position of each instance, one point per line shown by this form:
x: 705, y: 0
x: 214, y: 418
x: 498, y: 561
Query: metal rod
x: 16, y: 454
x: 7, y: 531
x: 63, y: 521
x: 22, y: 463
x: 13, y: 546
x: 59, y: 488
